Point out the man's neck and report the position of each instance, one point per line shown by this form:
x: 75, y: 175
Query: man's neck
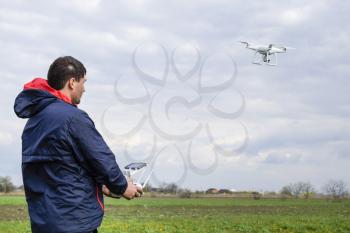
x: 66, y: 93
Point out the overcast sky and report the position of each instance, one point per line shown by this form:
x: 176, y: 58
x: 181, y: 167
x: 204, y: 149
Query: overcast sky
x: 269, y: 126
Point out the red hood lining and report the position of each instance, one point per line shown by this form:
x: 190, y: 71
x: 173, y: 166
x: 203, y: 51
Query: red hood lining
x: 42, y: 84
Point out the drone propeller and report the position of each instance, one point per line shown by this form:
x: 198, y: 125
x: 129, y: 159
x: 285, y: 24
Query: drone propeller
x: 280, y: 47
x: 244, y: 42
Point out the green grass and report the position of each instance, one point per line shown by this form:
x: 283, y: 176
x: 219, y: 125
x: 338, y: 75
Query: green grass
x: 12, y: 200
x: 202, y: 215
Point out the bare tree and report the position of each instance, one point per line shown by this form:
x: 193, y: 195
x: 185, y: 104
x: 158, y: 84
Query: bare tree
x: 286, y: 190
x: 168, y: 188
x: 308, y: 189
x: 6, y: 184
x: 256, y: 195
x: 336, y: 189
x: 184, y: 193
x: 297, y: 189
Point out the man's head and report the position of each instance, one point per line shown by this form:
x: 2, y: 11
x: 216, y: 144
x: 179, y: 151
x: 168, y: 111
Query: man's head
x: 67, y: 75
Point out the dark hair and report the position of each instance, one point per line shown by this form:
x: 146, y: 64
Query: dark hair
x: 64, y: 68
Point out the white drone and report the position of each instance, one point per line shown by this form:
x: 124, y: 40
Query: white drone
x: 267, y: 52
x: 131, y: 170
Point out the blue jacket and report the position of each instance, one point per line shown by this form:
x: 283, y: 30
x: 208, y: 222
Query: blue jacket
x: 65, y: 161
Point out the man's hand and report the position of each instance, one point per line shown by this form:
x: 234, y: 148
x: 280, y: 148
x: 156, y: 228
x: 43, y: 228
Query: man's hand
x: 106, y: 191
x: 132, y: 191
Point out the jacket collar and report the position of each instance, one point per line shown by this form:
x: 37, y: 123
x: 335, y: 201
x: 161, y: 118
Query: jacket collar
x: 42, y: 84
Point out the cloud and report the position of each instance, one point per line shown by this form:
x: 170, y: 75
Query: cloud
x: 285, y: 156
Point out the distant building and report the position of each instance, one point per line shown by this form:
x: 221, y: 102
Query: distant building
x: 212, y: 191
x: 225, y: 191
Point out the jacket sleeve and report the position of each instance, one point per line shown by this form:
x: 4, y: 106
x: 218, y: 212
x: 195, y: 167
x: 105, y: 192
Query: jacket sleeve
x: 89, y: 145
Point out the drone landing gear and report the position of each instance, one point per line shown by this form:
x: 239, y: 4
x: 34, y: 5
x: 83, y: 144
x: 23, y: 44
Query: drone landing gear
x: 274, y: 63
x: 266, y: 59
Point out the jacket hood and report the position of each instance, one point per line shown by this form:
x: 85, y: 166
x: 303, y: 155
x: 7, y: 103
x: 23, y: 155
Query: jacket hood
x: 36, y: 95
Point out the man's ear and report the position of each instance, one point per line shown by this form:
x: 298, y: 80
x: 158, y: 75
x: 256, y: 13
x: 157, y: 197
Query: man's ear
x: 71, y: 83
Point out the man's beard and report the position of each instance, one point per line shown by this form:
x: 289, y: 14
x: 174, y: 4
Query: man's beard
x: 76, y: 101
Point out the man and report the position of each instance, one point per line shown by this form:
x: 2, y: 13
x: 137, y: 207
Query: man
x: 66, y: 164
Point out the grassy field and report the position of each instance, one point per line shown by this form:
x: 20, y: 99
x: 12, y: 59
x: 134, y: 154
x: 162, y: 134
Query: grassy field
x: 202, y: 215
